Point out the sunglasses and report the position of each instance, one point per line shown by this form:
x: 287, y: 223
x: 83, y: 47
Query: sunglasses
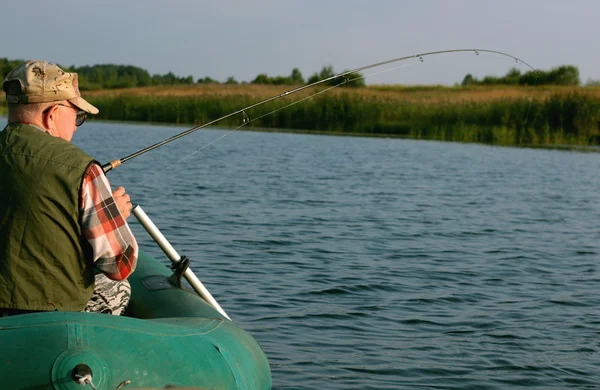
x: 79, y: 117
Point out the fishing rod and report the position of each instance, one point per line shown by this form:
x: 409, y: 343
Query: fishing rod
x: 116, y: 163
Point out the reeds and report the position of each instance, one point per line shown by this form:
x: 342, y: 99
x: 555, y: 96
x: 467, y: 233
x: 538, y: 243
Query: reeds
x: 493, y: 115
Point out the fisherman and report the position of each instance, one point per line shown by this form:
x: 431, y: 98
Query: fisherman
x: 60, y: 222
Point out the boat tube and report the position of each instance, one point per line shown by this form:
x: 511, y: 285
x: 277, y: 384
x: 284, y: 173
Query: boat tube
x: 170, y: 337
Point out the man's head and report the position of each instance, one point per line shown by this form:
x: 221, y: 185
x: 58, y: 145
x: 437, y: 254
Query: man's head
x: 42, y: 94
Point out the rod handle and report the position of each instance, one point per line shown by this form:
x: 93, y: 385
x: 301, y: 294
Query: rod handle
x: 111, y: 165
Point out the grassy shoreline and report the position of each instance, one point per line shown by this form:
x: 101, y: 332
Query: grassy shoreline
x: 499, y: 115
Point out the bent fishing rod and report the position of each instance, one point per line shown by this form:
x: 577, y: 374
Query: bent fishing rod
x: 116, y: 163
x: 162, y: 241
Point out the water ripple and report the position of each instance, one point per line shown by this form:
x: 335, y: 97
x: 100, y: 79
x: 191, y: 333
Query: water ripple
x: 384, y: 263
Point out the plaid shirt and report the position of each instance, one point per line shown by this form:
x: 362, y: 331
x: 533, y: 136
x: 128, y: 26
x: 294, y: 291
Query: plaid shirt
x: 114, y: 247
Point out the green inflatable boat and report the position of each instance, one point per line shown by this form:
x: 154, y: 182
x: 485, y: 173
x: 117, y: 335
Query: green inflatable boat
x: 170, y: 337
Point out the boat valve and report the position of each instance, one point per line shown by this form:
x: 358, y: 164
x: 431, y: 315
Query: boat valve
x: 82, y: 374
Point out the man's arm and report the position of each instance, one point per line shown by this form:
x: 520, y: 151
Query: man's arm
x: 114, y: 247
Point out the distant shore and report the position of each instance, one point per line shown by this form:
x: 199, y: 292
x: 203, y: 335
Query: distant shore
x: 562, y: 117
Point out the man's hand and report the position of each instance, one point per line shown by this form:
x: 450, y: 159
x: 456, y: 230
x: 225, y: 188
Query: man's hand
x: 123, y: 201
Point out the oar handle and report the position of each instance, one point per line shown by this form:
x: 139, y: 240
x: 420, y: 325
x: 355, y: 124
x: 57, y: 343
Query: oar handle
x: 172, y: 254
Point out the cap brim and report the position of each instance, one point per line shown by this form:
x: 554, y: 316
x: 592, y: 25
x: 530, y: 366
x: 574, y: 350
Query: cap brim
x: 84, y: 105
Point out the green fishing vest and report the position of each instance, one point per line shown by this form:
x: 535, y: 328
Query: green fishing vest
x: 45, y: 263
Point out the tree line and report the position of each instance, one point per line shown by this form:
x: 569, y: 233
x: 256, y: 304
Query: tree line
x: 110, y: 76
x: 562, y: 75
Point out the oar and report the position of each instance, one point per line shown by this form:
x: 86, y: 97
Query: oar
x: 175, y: 258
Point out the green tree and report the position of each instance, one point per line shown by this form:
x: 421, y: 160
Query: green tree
x: 262, y: 79
x: 530, y: 78
x: 207, y: 80
x: 353, y: 79
x: 512, y: 77
x: 326, y: 72
x: 565, y: 75
x: 296, y: 76
x: 468, y: 80
x: 7, y: 65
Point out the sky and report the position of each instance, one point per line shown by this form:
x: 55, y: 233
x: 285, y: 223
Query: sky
x: 243, y: 38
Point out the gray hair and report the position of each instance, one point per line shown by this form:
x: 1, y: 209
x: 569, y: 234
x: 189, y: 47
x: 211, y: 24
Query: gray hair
x: 22, y: 112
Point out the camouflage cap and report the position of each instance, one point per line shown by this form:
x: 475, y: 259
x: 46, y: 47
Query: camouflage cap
x: 43, y: 82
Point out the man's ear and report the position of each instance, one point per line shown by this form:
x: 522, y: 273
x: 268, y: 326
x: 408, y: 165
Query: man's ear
x: 48, y: 118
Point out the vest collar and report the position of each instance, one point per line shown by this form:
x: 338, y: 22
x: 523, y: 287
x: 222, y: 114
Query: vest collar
x: 28, y: 124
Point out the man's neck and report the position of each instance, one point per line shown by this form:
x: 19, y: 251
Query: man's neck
x: 31, y: 124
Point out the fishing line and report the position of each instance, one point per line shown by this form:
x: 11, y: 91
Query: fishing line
x: 116, y: 163
x: 246, y: 120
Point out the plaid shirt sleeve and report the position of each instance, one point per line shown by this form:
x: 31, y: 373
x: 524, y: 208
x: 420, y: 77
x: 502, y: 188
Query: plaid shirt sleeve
x: 114, y: 247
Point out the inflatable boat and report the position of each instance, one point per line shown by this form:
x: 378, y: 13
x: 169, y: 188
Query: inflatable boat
x: 170, y: 337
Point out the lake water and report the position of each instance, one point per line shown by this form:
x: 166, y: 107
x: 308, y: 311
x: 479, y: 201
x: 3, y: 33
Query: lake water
x: 363, y: 263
